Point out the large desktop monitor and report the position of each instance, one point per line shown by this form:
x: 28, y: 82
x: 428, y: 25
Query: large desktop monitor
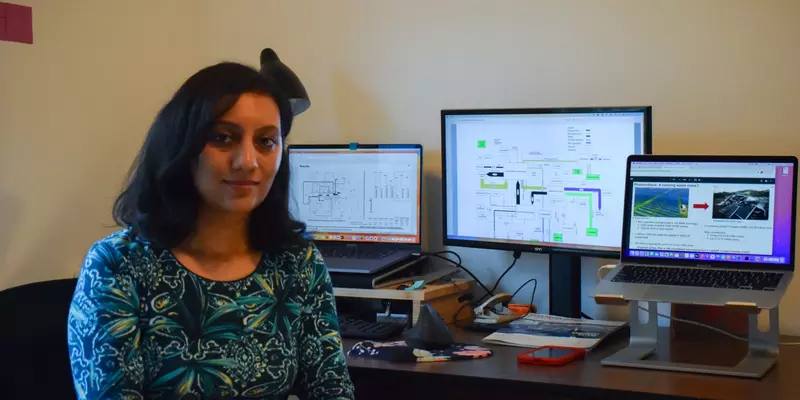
x: 546, y: 180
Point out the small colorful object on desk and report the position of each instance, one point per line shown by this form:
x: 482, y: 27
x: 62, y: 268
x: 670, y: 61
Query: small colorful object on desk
x: 417, y: 285
x: 522, y: 309
x: 551, y: 355
x: 399, y: 351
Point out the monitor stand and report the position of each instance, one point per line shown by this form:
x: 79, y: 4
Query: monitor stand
x: 648, y: 339
x: 565, y: 285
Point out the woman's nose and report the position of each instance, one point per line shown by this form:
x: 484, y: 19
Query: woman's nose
x: 245, y: 158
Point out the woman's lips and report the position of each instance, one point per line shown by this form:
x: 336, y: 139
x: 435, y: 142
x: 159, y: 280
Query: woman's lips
x: 242, y: 187
x: 242, y: 183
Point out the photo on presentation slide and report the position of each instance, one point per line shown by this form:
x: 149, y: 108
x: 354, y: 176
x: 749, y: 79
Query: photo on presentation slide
x: 661, y: 202
x: 741, y: 202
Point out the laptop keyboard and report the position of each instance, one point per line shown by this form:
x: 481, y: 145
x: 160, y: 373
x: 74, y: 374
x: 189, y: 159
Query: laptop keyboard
x: 752, y: 280
x: 357, y: 254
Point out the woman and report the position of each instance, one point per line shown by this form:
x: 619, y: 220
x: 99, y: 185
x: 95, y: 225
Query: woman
x: 210, y: 291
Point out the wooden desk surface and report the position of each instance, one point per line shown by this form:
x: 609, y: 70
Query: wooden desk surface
x: 583, y: 379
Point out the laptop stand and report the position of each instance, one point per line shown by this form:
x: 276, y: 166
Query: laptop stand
x: 648, y: 339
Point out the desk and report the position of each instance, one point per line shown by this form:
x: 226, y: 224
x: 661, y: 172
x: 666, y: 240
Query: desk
x: 499, y: 377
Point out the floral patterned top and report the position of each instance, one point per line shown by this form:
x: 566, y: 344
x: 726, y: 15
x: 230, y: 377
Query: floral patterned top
x: 141, y: 325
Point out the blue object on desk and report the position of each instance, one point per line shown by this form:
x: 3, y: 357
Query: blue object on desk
x: 353, y: 146
x: 416, y: 285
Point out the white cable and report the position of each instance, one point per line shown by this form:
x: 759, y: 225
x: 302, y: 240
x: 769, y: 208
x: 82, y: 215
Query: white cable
x: 696, y: 324
x: 726, y: 333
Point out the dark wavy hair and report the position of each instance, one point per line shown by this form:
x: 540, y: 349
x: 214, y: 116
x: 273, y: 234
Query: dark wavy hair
x: 160, y: 201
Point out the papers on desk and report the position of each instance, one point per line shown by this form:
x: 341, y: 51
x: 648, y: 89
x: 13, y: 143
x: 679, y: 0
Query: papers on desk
x: 535, y: 330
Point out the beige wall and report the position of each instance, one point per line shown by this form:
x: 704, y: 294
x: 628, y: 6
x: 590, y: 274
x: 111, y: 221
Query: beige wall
x: 722, y: 76
x: 74, y: 107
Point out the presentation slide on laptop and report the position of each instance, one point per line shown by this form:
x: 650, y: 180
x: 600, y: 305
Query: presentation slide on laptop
x: 364, y: 195
x: 716, y: 211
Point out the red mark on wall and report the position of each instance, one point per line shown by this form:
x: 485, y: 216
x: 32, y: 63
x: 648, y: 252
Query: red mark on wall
x: 16, y: 23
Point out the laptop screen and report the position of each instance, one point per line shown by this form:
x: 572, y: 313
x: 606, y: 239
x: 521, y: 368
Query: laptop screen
x: 711, y: 212
x: 367, y: 194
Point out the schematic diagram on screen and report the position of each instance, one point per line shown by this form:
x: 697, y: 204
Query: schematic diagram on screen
x: 320, y: 198
x: 331, y: 197
x: 349, y: 197
x: 520, y: 193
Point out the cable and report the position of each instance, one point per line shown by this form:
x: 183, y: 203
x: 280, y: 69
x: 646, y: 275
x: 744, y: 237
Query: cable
x: 686, y: 321
x: 533, y: 293
x: 715, y: 329
x: 439, y: 253
x: 465, y: 299
x: 464, y: 294
x: 455, y: 316
x: 458, y: 264
x: 517, y: 254
x: 536, y: 283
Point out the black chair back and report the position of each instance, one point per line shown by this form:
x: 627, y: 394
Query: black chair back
x: 33, y: 333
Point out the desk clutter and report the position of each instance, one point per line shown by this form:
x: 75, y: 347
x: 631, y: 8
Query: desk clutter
x: 504, y: 376
x: 400, y: 351
x: 536, y: 330
x: 428, y: 340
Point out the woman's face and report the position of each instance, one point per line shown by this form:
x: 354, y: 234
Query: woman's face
x: 236, y: 169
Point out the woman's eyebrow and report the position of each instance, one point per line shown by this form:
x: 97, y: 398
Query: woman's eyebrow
x: 227, y: 124
x: 268, y: 129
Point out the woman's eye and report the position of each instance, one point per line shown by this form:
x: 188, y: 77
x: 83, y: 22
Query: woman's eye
x: 268, y: 142
x: 221, y: 138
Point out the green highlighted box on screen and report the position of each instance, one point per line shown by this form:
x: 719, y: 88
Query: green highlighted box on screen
x: 481, y: 144
x: 591, y: 232
x: 558, y: 237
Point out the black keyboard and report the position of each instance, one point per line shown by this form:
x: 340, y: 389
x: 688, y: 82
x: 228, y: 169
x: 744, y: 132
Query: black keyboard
x: 360, y: 329
x: 360, y: 254
x: 752, y: 280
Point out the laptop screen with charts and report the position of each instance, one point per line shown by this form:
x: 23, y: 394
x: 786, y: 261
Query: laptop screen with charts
x: 357, y: 194
x: 735, y: 211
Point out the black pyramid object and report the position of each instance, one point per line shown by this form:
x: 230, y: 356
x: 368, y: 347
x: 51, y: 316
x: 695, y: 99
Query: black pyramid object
x: 430, y: 331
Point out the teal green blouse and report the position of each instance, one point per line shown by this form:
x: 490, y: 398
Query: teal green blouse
x: 141, y: 325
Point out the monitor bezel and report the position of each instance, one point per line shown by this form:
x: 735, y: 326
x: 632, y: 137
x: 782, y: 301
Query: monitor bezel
x: 368, y: 146
x: 707, y: 263
x: 542, y: 247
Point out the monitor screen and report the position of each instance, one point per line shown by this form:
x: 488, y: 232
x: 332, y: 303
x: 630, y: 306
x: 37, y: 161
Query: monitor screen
x: 721, y: 212
x: 539, y: 178
x: 367, y: 194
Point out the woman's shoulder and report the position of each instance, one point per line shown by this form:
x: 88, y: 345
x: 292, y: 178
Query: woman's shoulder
x: 119, y: 249
x: 122, y: 241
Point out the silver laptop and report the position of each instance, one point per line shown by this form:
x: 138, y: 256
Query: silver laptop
x: 710, y: 230
x: 361, y: 203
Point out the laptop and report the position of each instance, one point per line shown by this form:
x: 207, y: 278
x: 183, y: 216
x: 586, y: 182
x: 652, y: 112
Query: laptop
x: 710, y: 230
x: 361, y: 203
